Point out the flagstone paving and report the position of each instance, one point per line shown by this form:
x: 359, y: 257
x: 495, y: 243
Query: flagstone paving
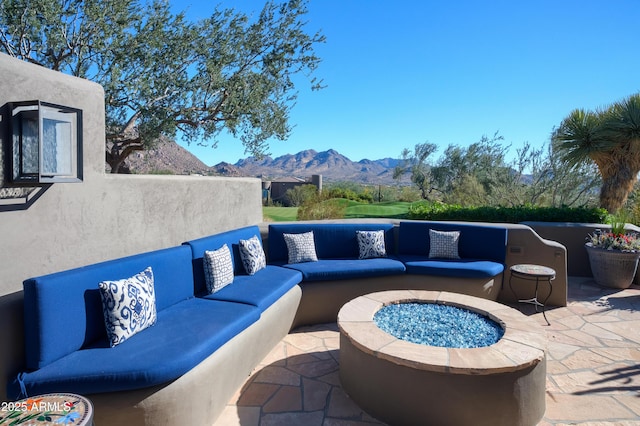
x: 593, y: 369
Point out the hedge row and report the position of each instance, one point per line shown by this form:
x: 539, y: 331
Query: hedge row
x: 440, y: 211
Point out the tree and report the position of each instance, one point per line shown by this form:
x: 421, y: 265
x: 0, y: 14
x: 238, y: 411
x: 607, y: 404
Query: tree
x: 479, y: 174
x: 610, y: 138
x: 165, y: 75
x: 298, y: 195
x: 416, y: 163
x: 554, y: 184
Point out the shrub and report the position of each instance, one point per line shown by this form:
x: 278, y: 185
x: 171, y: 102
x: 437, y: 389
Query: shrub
x: 442, y: 211
x: 298, y: 195
x: 321, y: 207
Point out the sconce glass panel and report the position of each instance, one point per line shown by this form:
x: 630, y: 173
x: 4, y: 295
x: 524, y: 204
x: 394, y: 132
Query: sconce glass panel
x: 47, y: 143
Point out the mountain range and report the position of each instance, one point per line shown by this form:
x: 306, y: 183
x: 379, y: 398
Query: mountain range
x: 167, y: 157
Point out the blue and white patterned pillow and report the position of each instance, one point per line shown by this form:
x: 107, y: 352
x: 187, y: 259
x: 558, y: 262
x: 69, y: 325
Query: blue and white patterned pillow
x: 218, y: 268
x: 371, y: 244
x: 444, y: 245
x: 252, y: 255
x: 301, y: 247
x: 128, y: 305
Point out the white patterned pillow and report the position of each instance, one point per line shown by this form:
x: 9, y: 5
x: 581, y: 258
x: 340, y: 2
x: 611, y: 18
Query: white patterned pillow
x: 252, y: 255
x: 444, y: 245
x: 218, y: 268
x: 301, y: 247
x: 129, y: 306
x: 371, y: 244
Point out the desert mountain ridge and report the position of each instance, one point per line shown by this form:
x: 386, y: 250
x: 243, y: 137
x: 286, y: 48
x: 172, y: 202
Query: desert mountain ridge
x: 167, y: 157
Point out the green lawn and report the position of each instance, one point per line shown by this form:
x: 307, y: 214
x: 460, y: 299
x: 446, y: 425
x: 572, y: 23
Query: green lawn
x: 279, y: 214
x: 354, y: 210
x: 396, y: 210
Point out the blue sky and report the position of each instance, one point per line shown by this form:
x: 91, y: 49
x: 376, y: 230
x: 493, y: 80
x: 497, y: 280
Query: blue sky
x: 450, y: 71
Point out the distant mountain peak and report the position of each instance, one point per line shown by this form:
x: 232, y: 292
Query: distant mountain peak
x: 169, y: 157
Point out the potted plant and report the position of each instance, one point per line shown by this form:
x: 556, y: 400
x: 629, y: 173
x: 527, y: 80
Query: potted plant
x: 614, y: 255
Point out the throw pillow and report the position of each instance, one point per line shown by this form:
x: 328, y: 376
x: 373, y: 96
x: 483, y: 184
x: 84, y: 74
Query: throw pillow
x: 128, y: 305
x: 371, y: 244
x: 252, y: 255
x: 444, y: 245
x: 218, y: 268
x: 301, y: 247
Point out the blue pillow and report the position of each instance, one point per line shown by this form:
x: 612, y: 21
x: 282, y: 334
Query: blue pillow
x: 252, y: 255
x: 443, y: 244
x: 371, y: 244
x: 218, y: 268
x: 301, y: 247
x: 128, y: 305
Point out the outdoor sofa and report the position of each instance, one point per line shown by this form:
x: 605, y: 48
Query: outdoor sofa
x: 340, y: 275
x: 202, y: 347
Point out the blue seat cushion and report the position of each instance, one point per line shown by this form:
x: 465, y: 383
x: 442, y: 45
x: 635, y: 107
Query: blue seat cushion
x: 261, y: 289
x: 185, y: 334
x: 462, y: 268
x: 342, y: 269
x: 63, y: 311
x: 476, y: 241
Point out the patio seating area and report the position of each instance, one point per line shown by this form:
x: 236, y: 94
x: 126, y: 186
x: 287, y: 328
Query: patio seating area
x: 593, y: 369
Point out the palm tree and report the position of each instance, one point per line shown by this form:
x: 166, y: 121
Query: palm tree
x: 611, y: 139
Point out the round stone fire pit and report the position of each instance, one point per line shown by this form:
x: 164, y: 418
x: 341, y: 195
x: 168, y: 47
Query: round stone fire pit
x: 406, y: 383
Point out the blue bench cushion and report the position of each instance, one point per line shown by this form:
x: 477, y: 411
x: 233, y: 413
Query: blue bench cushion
x: 261, y: 289
x: 63, y: 311
x: 214, y: 242
x: 185, y: 334
x: 342, y: 269
x: 462, y: 268
x: 476, y: 241
x: 333, y: 240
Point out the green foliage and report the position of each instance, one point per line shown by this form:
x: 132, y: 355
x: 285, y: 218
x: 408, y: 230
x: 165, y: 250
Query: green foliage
x: 162, y: 73
x: 618, y: 221
x: 320, y: 207
x: 416, y: 163
x: 441, y: 211
x: 298, y: 195
x: 480, y: 175
x: 350, y: 195
x: 608, y: 138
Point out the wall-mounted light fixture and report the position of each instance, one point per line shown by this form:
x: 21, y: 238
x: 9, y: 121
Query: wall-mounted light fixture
x: 46, y: 143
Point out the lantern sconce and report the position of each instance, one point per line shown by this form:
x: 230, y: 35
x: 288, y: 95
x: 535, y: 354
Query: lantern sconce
x: 46, y: 143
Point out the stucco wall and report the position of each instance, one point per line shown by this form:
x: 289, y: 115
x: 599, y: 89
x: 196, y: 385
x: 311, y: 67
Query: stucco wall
x: 105, y: 216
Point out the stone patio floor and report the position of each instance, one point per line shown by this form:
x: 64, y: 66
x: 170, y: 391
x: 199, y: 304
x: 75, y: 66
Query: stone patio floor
x: 593, y: 369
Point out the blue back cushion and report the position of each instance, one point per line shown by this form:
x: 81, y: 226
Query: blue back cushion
x: 476, y: 241
x: 214, y: 242
x: 333, y: 240
x: 63, y: 311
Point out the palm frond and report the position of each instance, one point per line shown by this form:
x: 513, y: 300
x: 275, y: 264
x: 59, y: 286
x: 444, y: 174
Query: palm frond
x: 622, y: 122
x: 580, y: 137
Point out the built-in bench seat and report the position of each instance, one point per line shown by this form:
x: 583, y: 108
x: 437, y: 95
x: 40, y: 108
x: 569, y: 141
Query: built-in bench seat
x: 195, y: 334
x: 482, y: 250
x: 260, y: 290
x: 184, y: 369
x: 337, y: 250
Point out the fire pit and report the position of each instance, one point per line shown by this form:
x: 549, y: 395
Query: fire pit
x: 501, y: 382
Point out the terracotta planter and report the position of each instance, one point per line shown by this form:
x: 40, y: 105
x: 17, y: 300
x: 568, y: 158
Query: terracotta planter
x: 612, y: 268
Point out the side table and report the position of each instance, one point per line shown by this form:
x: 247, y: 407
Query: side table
x: 48, y: 409
x: 535, y: 273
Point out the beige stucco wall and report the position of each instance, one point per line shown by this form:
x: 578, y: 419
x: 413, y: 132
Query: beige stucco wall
x: 105, y: 216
